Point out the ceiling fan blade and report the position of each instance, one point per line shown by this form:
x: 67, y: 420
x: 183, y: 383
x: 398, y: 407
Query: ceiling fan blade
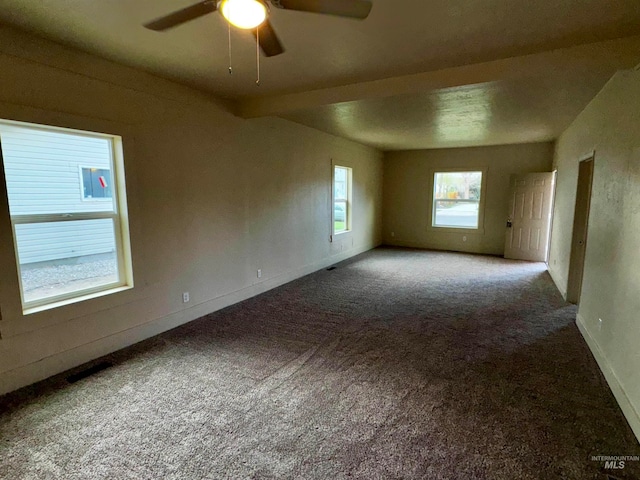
x: 269, y: 42
x: 341, y: 8
x: 181, y: 16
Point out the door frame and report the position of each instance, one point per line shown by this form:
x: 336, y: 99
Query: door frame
x: 553, y: 212
x: 581, y: 213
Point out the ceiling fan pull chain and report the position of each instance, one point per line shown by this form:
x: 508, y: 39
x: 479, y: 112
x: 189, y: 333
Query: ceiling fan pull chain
x: 230, y: 69
x: 258, y: 54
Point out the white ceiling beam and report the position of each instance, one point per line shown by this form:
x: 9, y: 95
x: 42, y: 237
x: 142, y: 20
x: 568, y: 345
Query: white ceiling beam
x: 611, y: 55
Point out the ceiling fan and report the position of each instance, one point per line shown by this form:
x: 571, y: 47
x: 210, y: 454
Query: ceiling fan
x: 253, y: 15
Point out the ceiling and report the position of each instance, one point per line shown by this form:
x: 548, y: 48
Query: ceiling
x: 415, y: 74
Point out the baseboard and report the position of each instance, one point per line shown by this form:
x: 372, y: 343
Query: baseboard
x: 628, y: 410
x: 33, y: 372
x: 561, y: 285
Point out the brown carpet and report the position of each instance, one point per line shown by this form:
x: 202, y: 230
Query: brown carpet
x: 399, y: 364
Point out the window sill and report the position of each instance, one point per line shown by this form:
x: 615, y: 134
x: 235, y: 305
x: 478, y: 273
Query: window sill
x: 69, y: 301
x: 468, y: 230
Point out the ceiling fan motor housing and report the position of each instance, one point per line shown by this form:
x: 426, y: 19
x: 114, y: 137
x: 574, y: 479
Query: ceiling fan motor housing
x: 244, y: 14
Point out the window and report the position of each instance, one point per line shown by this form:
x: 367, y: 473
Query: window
x: 96, y: 183
x: 341, y: 199
x: 67, y: 248
x: 456, y: 199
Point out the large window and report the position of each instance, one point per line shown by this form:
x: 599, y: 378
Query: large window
x: 456, y: 199
x: 341, y: 199
x: 67, y: 247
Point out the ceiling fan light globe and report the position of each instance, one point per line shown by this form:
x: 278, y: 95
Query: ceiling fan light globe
x: 245, y: 14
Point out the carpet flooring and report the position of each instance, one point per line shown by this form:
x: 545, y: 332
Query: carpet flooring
x: 398, y: 364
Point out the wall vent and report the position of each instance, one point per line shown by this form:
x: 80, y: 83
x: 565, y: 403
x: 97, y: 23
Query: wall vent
x: 89, y: 371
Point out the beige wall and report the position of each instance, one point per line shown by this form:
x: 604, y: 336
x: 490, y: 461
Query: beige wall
x: 610, y: 126
x: 407, y: 195
x: 212, y: 198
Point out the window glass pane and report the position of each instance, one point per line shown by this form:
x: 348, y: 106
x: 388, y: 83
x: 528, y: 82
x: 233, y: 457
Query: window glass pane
x: 456, y: 214
x: 45, y: 171
x: 458, y: 185
x: 340, y: 189
x: 61, y: 257
x: 339, y: 216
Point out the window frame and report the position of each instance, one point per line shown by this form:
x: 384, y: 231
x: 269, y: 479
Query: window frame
x: 347, y: 200
x: 118, y: 215
x: 481, y: 202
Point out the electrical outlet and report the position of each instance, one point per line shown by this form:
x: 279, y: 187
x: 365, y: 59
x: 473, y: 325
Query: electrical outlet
x: 185, y: 297
x: 259, y: 273
x: 393, y: 234
x: 464, y: 238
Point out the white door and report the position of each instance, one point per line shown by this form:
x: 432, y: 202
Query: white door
x: 529, y: 221
x: 580, y: 228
